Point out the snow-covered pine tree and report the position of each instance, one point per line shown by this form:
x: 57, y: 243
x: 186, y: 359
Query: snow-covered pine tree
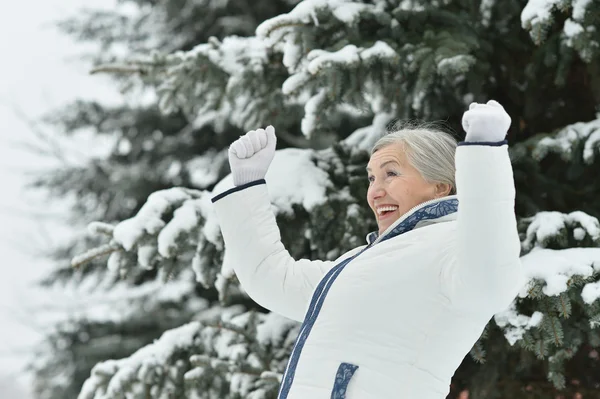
x: 331, y: 75
x: 92, y: 314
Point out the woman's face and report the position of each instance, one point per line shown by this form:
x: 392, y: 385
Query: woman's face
x: 397, y: 185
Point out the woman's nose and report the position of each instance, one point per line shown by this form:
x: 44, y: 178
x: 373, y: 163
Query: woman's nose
x: 377, y: 190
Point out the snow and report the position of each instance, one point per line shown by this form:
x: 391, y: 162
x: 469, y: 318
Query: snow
x: 293, y: 178
x: 579, y: 233
x: 292, y: 52
x: 485, y: 8
x: 311, y: 109
x: 146, y: 253
x: 307, y: 12
x: 149, y: 219
x: 417, y: 102
x: 564, y: 141
x: 185, y: 221
x: 579, y: 8
x: 348, y: 56
x: 592, y: 142
x: 572, y: 29
x: 410, y: 5
x: 349, y: 12
x: 269, y: 332
x: 537, y: 11
x: 591, y: 292
x: 124, y: 370
x: 234, y: 54
x: 364, y: 139
x: 540, y: 12
x: 214, y: 329
x: 379, y: 49
x: 211, y: 230
x: 295, y: 82
x: 456, y: 64
x: 545, y: 225
x: 204, y: 118
x: 318, y: 59
x: 515, y: 324
x: 116, y: 262
x: 556, y: 267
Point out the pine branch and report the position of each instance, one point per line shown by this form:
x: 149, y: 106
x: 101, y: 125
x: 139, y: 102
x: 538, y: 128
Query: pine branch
x: 95, y: 253
x: 221, y: 326
x: 119, y: 69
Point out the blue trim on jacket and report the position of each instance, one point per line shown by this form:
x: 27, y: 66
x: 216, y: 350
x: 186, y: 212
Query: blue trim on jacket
x: 316, y: 304
x: 342, y: 379
x: 431, y: 211
x: 488, y: 143
x: 237, y: 188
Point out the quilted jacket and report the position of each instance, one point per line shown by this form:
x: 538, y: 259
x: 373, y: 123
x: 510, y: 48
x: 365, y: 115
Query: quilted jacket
x: 395, y: 317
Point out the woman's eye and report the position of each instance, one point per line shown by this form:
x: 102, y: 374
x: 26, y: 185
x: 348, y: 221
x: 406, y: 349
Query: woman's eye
x: 390, y: 173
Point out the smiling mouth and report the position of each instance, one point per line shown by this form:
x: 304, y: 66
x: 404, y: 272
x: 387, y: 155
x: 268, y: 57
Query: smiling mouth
x: 386, y: 214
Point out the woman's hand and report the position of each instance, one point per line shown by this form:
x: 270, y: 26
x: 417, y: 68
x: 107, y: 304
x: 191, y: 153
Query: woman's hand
x: 486, y: 122
x: 251, y: 155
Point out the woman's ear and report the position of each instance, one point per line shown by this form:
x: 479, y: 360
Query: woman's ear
x: 442, y: 189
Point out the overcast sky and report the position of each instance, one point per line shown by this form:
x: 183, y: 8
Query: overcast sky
x: 39, y: 72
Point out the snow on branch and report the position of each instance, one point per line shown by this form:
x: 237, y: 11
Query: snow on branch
x: 206, y: 80
x: 321, y: 73
x: 227, y: 352
x: 349, y: 55
x: 515, y: 324
x: 177, y: 227
x: 309, y: 11
x: 547, y: 226
x: 578, y: 31
x: 538, y: 13
x: 165, y: 227
x: 562, y: 267
x: 566, y: 140
x: 555, y: 269
x: 557, y: 278
x: 149, y: 366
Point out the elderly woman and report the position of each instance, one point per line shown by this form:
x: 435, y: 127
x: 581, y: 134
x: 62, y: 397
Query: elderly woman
x: 393, y: 318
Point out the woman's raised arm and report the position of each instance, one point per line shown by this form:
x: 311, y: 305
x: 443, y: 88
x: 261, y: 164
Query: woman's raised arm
x: 488, y: 271
x: 253, y: 247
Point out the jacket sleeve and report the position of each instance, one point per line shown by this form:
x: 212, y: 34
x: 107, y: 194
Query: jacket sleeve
x: 253, y: 248
x: 487, y: 271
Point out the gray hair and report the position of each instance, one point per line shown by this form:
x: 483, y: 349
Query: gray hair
x: 429, y: 149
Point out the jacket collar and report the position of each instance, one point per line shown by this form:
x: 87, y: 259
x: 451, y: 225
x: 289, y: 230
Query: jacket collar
x: 435, y: 211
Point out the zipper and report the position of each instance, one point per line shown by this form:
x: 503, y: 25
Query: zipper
x: 410, y: 212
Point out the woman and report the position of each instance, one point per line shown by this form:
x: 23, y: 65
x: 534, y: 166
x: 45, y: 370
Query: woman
x: 394, y: 318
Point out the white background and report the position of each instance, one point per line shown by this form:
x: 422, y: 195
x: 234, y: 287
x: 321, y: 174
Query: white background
x: 39, y: 70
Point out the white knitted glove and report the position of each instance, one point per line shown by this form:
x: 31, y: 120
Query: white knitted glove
x: 251, y: 155
x: 486, y: 122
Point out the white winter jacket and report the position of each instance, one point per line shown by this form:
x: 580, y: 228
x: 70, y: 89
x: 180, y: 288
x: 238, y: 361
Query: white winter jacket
x: 394, y: 318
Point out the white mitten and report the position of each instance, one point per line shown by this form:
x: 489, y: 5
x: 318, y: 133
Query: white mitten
x: 251, y: 155
x: 486, y: 122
